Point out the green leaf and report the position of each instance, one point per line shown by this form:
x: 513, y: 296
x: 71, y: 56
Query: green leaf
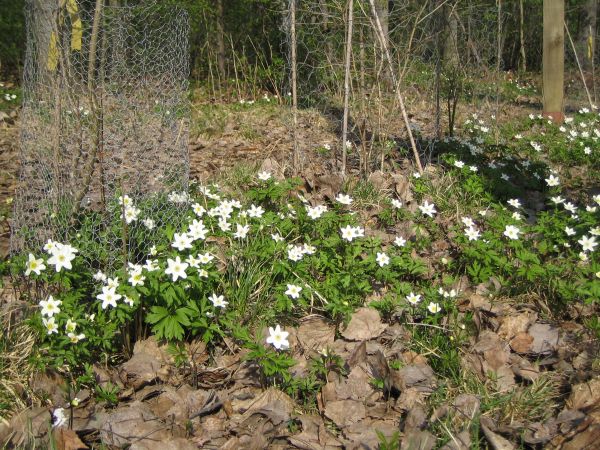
x: 157, y: 313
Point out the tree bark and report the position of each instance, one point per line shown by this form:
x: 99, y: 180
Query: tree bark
x: 523, y: 56
x: 383, y: 13
x: 553, y: 59
x: 221, y: 40
x: 451, y: 43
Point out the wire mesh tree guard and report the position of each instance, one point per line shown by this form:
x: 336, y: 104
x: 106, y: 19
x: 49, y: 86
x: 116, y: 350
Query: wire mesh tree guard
x: 105, y: 114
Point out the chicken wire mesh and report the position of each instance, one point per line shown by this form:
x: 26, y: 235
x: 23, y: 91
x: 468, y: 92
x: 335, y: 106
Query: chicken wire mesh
x: 105, y: 114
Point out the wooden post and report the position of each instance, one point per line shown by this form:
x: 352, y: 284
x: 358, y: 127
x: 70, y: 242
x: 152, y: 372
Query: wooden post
x: 347, y: 85
x: 553, y: 59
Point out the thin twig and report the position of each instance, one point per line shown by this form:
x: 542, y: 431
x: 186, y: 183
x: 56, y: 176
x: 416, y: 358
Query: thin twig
x: 587, y: 91
x: 387, y: 56
x: 347, y: 86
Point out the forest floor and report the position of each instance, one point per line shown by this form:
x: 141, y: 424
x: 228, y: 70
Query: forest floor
x: 522, y: 376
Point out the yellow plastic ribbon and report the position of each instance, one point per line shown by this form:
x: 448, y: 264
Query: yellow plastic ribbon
x: 76, y: 27
x: 76, y: 33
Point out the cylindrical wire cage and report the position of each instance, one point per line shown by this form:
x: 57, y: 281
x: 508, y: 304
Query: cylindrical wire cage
x: 105, y: 114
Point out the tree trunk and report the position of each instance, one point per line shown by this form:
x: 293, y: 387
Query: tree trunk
x: 523, y: 58
x: 221, y: 40
x: 553, y: 59
x: 451, y: 43
x: 383, y: 13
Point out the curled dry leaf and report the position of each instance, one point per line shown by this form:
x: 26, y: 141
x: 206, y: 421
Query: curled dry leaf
x: 545, y: 338
x: 512, y: 325
x: 460, y: 441
x: 315, y: 333
x: 421, y: 439
x: 345, y: 412
x: 314, y: 435
x: 365, y: 325
x: 29, y: 424
x: 273, y: 404
x: 496, y: 441
x: 418, y: 376
x: 273, y: 167
x: 380, y: 180
x: 135, y: 423
x: 466, y: 406
x: 67, y: 440
x: 365, y: 434
x: 148, y: 363
x: 522, y: 342
x: 585, y: 396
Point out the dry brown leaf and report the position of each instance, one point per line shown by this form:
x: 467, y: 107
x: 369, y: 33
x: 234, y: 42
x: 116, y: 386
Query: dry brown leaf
x: 585, y: 396
x: 540, y: 433
x: 365, y: 325
x: 411, y: 357
x: 587, y: 439
x: 466, y: 406
x: 460, y: 441
x: 150, y: 361
x: 379, y: 180
x: 416, y: 418
x: 358, y: 355
x: 364, y: 434
x: 488, y: 340
x: 273, y: 404
x: 328, y: 185
x: 212, y: 377
x: 496, y: 441
x: 523, y: 368
x: 314, y: 435
x: 521, y: 342
x: 30, y: 423
x: 178, y: 404
x: 135, y: 423
x: 418, y: 376
x: 315, y: 333
x: 345, y: 412
x: 511, y: 325
x: 402, y: 187
x: 273, y: 167
x: 356, y: 387
x: 67, y: 440
x: 418, y: 440
x: 178, y: 443
x: 505, y: 379
x: 50, y: 385
x: 545, y: 338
